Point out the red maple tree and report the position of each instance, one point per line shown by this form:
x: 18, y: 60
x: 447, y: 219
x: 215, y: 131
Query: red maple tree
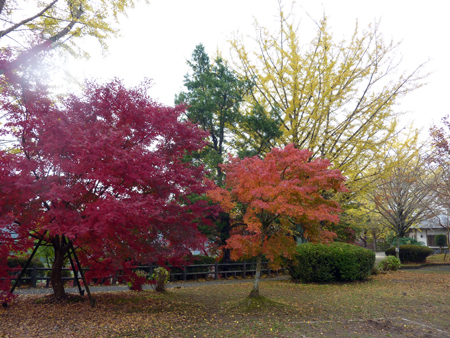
x: 104, y: 171
x: 268, y: 198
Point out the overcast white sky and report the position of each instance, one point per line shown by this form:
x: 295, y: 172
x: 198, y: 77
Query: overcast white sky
x: 157, y: 39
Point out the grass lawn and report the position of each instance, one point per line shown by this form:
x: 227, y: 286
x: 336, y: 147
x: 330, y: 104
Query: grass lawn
x: 439, y: 258
x: 399, y: 304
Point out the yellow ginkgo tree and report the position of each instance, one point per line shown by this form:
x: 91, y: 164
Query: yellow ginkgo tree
x: 32, y: 26
x: 336, y: 99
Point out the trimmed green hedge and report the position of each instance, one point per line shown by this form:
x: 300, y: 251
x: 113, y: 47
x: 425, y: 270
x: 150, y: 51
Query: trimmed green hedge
x: 323, y: 263
x: 411, y: 253
x: 20, y: 261
x: 406, y: 241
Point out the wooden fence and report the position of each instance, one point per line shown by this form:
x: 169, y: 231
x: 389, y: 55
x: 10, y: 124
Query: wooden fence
x: 207, y: 271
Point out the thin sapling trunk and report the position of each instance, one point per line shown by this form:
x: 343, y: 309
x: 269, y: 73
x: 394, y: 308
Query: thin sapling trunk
x: 255, y: 290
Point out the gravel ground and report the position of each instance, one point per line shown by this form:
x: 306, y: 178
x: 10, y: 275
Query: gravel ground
x: 93, y: 289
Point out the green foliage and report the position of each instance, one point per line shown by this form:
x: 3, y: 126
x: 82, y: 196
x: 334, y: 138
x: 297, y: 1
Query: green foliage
x: 440, y: 240
x: 411, y: 253
x: 20, y: 261
x: 257, y: 131
x: 161, y: 277
x: 214, y: 94
x: 406, y: 241
x: 45, y: 254
x: 327, y: 263
x: 390, y: 263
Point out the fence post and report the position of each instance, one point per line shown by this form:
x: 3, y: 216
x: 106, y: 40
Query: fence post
x: 184, y: 273
x: 34, y: 276
x: 216, y: 270
x: 150, y: 269
x: 244, y: 273
x: 268, y: 270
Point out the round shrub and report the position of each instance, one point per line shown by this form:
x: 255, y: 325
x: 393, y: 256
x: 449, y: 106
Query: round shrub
x: 390, y: 263
x: 440, y: 240
x: 161, y: 278
x: 323, y: 263
x: 411, y: 253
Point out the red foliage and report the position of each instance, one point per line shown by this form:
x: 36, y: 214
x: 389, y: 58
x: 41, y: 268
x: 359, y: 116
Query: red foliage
x: 267, y: 198
x: 104, y: 170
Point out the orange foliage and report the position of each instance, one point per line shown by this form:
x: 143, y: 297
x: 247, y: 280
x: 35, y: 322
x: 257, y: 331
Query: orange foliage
x: 269, y: 197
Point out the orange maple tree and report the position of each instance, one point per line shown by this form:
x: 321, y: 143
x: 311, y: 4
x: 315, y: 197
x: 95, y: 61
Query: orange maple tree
x: 269, y: 198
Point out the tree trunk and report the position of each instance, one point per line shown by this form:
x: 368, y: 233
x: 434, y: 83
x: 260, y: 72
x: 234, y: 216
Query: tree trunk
x: 255, y: 290
x: 397, y: 252
x: 448, y: 243
x: 374, y: 235
x: 56, y: 274
x: 225, y: 228
x: 364, y: 239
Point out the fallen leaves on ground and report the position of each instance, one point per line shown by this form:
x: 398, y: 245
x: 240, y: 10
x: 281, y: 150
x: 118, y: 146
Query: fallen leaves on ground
x: 372, y: 308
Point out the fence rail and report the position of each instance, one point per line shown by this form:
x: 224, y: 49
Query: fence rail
x: 213, y: 271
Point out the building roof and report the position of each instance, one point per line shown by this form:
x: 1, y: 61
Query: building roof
x: 438, y: 222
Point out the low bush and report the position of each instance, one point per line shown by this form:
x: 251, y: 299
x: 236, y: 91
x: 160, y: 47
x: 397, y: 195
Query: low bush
x: 411, y: 253
x: 390, y: 263
x: 161, y: 278
x: 323, y: 263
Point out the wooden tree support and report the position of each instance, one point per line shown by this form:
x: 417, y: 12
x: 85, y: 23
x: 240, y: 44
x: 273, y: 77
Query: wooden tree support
x: 75, y: 272
x: 17, y: 281
x: 92, y: 300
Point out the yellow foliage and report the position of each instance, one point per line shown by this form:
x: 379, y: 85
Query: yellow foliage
x: 61, y: 21
x: 335, y: 98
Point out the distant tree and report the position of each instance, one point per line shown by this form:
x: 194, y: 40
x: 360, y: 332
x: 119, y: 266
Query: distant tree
x: 268, y: 197
x: 441, y: 241
x: 214, y: 94
x: 104, y: 171
x: 403, y: 199
x: 439, y: 165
